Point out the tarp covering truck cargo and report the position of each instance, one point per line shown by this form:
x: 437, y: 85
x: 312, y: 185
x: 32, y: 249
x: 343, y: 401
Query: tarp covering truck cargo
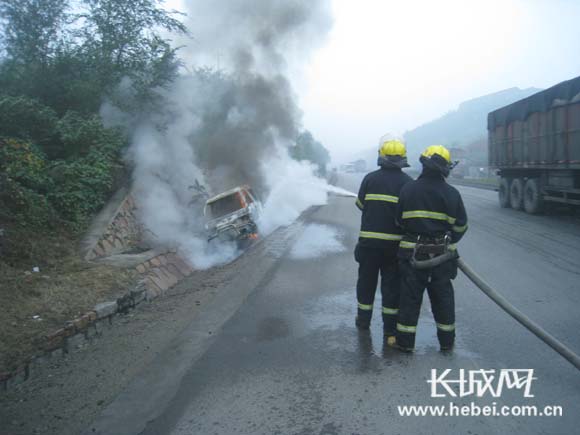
x: 535, y: 145
x: 232, y: 216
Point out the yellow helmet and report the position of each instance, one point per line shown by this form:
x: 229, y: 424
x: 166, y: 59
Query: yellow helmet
x: 440, y: 150
x: 438, y: 158
x: 393, y: 148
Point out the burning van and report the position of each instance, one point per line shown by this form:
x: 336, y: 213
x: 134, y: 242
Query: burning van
x: 232, y: 216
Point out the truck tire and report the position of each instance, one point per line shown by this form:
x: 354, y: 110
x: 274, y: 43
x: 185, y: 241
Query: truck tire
x: 517, y: 194
x: 533, y: 199
x: 504, y: 193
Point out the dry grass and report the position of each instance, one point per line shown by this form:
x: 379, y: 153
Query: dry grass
x: 65, y: 288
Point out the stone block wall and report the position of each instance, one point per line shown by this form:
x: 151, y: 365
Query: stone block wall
x: 122, y: 234
x: 120, y: 231
x: 162, y: 272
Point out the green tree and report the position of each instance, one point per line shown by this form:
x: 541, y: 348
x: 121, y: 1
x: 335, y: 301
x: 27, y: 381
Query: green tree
x: 71, y: 58
x: 32, y: 29
x: 308, y: 148
x: 59, y: 60
x: 123, y: 41
x: 32, y: 36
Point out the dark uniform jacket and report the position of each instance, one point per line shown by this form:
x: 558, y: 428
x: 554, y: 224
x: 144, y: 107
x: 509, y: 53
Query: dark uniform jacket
x: 431, y: 207
x: 377, y: 198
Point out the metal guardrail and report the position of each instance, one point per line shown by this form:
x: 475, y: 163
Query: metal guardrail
x: 537, y: 330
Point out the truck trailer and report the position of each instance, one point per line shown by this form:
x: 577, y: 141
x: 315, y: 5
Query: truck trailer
x: 534, y: 144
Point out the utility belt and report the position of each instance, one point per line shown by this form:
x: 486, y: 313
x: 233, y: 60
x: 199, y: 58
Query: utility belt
x: 427, y: 251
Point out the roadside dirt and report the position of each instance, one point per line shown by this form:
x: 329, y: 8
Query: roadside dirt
x: 64, y: 396
x: 35, y: 304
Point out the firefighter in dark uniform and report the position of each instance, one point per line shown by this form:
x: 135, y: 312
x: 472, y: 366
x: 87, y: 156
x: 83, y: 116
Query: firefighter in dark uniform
x: 379, y: 236
x: 433, y: 219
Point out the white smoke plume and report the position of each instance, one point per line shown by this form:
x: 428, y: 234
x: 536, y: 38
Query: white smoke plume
x: 222, y: 130
x: 317, y: 241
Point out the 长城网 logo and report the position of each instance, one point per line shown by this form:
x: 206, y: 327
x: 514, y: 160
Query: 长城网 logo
x: 480, y: 382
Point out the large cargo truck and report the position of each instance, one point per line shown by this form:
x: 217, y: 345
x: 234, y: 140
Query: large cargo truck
x: 534, y: 144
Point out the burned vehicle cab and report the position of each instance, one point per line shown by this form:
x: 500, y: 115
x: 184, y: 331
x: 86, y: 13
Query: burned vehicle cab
x: 232, y: 216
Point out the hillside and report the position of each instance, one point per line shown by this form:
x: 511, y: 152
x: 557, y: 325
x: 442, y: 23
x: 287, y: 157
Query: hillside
x: 466, y: 124
x: 465, y: 127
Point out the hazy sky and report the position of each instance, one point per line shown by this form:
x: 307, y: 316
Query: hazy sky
x: 390, y: 65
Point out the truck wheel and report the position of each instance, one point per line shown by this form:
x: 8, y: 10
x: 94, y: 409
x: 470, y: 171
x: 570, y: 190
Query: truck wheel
x: 504, y: 193
x: 533, y: 199
x: 517, y: 194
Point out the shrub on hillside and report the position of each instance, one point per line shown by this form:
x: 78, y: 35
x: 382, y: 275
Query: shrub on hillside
x: 35, y: 190
x: 24, y: 183
x: 79, y: 136
x: 82, y: 186
x: 26, y: 118
x: 24, y: 163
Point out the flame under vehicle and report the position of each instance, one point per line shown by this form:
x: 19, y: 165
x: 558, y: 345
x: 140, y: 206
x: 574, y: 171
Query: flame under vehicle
x: 232, y: 216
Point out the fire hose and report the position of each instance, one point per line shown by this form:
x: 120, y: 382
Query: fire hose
x: 537, y: 330
x: 432, y: 262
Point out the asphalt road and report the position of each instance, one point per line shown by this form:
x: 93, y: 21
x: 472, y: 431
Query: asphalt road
x: 289, y: 360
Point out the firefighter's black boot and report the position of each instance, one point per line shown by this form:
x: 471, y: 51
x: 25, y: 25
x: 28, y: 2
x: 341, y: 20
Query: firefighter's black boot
x: 446, y: 340
x: 405, y: 349
x: 363, y: 319
x: 405, y: 339
x: 389, y: 324
x: 446, y: 349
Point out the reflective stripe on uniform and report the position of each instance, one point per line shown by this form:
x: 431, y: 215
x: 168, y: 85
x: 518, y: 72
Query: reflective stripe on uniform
x: 444, y: 327
x: 428, y: 215
x: 365, y: 307
x: 459, y: 229
x: 359, y: 204
x: 387, y: 310
x: 379, y: 197
x: 381, y: 236
x: 406, y: 328
x: 453, y: 247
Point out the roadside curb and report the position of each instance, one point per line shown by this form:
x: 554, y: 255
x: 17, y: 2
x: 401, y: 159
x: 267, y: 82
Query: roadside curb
x: 158, y: 274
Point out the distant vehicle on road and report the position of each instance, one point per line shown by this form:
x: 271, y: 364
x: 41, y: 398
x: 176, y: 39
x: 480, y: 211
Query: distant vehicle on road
x: 534, y: 144
x: 232, y: 216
